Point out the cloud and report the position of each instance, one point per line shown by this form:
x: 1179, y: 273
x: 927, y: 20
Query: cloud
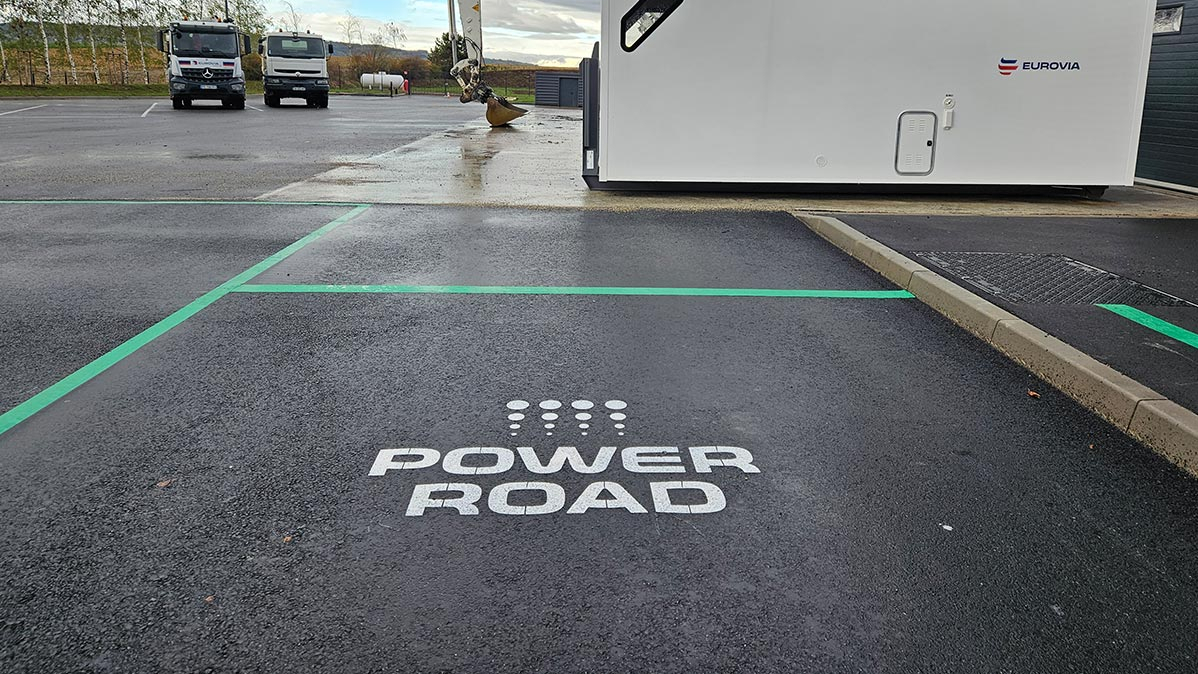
x: 548, y: 60
x: 544, y: 32
x: 531, y: 17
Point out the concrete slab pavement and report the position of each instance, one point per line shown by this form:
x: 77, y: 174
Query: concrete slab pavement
x: 537, y: 163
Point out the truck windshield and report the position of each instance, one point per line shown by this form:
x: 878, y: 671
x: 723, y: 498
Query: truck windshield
x: 204, y: 44
x: 295, y: 47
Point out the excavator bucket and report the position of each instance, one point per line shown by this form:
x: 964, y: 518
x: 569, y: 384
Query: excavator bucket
x: 500, y: 112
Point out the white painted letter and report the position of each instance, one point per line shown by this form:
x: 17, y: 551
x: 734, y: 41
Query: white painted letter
x: 504, y: 460
x: 590, y: 499
x: 555, y: 498
x: 662, y: 503
x: 561, y: 456
x: 464, y: 504
x: 741, y: 458
x: 385, y: 461
x: 647, y: 460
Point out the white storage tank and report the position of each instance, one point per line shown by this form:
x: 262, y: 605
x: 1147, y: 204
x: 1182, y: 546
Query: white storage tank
x: 382, y: 81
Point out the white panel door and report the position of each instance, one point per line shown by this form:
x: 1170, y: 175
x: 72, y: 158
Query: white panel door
x: 916, y: 144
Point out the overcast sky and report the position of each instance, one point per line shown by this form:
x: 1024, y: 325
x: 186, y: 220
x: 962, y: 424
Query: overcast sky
x: 545, y: 32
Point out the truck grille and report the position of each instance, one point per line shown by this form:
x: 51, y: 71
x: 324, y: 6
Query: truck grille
x: 218, y: 74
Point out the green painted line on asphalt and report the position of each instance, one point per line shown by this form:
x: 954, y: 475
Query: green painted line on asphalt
x: 86, y: 373
x: 169, y: 202
x: 568, y: 290
x: 1153, y: 323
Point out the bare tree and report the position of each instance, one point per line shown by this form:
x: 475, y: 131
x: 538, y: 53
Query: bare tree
x: 41, y: 26
x: 291, y: 19
x: 395, y: 35
x: 89, y: 10
x: 351, y: 28
x: 6, y: 12
x: 141, y: 46
x: 250, y: 16
x: 120, y: 15
x: 65, y: 11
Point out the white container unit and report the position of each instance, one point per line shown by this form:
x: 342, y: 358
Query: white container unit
x: 876, y: 92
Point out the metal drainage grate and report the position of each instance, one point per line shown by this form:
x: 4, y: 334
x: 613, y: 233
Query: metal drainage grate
x: 1029, y: 278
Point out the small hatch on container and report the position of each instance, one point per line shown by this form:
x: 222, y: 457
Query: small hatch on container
x: 916, y: 152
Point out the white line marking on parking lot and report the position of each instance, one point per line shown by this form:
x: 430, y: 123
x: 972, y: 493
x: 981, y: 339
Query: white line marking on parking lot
x: 13, y: 112
x: 152, y: 105
x: 253, y: 108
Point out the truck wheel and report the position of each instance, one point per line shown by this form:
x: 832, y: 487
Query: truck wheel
x: 177, y: 103
x: 238, y: 104
x: 270, y: 101
x: 187, y: 102
x: 322, y: 101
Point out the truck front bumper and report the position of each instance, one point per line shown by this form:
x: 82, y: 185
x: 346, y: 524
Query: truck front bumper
x: 201, y: 90
x: 295, y: 87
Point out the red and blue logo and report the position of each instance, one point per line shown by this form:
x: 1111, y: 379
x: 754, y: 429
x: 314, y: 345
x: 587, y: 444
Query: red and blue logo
x: 1008, y: 66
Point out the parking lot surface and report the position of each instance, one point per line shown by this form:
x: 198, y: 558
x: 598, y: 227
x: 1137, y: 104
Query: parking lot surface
x: 897, y: 501
x: 139, y: 148
x: 470, y: 419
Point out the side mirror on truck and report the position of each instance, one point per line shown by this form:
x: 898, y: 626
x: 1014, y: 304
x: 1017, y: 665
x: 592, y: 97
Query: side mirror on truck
x: 160, y: 40
x: 330, y: 49
x: 261, y: 49
x: 245, y: 45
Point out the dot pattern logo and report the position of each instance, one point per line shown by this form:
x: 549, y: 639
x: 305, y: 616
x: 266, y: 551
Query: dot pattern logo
x: 583, y: 417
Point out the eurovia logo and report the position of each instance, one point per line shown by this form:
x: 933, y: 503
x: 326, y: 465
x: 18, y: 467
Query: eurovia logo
x: 556, y: 464
x: 1008, y: 67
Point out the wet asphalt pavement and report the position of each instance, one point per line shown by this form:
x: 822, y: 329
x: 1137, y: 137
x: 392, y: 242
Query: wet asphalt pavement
x: 79, y: 279
x: 897, y: 501
x: 107, y: 149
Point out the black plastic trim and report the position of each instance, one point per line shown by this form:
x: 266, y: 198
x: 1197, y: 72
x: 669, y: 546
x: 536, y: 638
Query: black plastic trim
x: 666, y: 7
x: 840, y: 189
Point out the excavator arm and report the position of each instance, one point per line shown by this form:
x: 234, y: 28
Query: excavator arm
x: 468, y: 71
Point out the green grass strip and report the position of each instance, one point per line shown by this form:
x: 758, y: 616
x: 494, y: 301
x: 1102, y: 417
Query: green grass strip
x: 1153, y: 323
x: 567, y: 290
x: 167, y: 202
x: 86, y: 373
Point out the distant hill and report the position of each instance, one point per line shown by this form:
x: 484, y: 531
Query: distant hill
x: 344, y: 49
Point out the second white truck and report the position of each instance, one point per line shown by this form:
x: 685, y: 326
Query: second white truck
x: 295, y: 65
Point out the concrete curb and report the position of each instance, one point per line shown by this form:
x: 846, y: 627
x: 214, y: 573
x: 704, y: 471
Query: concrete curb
x: 1168, y: 428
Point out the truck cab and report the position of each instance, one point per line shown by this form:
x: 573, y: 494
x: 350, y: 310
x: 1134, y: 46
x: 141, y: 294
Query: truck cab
x: 203, y: 62
x: 295, y: 65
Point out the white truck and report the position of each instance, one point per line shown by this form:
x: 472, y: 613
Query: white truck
x: 203, y: 62
x: 927, y: 93
x: 295, y: 65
